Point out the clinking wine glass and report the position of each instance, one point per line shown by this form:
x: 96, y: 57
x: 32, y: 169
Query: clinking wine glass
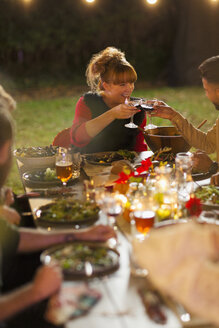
x: 131, y: 124
x: 63, y: 165
x: 147, y: 105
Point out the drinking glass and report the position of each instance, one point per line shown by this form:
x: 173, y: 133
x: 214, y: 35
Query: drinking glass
x: 147, y: 105
x: 63, y: 165
x: 131, y: 124
x: 185, y: 184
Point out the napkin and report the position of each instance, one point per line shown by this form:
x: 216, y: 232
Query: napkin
x: 71, y: 302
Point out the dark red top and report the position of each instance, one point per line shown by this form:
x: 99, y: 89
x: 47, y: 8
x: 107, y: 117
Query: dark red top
x: 79, y: 136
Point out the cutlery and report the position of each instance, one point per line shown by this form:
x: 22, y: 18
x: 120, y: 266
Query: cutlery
x: 153, y: 305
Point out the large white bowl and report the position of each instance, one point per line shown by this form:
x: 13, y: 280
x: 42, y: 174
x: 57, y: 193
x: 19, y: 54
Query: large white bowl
x: 36, y: 162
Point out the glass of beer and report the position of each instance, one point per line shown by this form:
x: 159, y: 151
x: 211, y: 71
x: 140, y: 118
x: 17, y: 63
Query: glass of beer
x: 63, y: 165
x: 142, y: 218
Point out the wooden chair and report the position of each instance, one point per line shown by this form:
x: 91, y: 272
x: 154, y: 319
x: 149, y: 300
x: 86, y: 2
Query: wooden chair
x: 62, y: 139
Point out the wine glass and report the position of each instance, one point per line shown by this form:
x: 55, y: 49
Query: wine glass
x: 131, y: 124
x: 63, y: 165
x: 148, y: 107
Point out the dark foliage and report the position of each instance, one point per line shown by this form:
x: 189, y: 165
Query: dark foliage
x: 57, y: 38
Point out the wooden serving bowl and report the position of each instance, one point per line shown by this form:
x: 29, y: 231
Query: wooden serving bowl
x: 166, y: 136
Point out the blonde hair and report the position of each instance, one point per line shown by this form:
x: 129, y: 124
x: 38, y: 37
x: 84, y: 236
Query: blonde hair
x: 111, y: 66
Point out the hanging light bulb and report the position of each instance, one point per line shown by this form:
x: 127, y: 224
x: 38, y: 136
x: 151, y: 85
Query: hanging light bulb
x: 90, y: 1
x: 151, y: 2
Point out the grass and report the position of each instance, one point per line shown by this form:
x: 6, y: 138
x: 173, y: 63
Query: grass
x: 39, y: 120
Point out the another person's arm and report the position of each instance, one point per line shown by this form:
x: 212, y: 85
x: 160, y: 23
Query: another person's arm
x: 47, y: 282
x: 32, y: 240
x: 195, y: 137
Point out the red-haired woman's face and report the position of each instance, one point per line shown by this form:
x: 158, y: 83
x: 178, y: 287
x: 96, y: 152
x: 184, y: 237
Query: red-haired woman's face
x: 117, y: 93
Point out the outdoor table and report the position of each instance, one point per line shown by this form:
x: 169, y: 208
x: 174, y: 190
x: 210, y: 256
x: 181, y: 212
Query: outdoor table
x: 120, y: 305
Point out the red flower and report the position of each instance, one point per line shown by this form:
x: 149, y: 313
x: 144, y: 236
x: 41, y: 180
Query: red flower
x: 194, y: 206
x: 145, y: 165
x: 123, y: 178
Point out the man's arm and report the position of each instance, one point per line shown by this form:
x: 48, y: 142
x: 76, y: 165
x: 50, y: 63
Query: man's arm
x: 33, y: 240
x: 47, y: 282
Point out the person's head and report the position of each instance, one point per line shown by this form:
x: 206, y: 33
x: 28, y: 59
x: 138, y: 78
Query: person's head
x: 209, y: 70
x: 6, y: 139
x: 109, y: 73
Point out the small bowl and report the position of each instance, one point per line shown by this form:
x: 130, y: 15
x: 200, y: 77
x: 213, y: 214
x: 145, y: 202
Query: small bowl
x: 166, y: 136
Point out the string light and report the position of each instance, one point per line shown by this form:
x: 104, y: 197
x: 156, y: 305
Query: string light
x: 151, y: 2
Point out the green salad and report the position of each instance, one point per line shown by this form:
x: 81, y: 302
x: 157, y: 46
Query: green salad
x: 73, y: 257
x: 36, y: 151
x: 209, y: 194
x: 64, y: 210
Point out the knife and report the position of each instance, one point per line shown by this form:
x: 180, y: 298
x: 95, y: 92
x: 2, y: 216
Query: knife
x: 153, y: 305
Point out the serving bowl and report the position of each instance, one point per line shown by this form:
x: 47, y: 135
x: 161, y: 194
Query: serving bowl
x: 66, y: 213
x: 40, y: 157
x: 166, y: 136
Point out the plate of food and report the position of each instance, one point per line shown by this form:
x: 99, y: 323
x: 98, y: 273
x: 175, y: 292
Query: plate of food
x: 42, y: 177
x: 82, y: 260
x: 209, y: 196
x: 65, y: 213
x: 107, y: 158
x: 36, y: 156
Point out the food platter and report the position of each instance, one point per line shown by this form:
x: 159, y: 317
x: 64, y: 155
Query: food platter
x: 67, y: 213
x: 209, y: 196
x: 43, y: 177
x: 82, y: 261
x: 107, y: 158
x: 36, y: 156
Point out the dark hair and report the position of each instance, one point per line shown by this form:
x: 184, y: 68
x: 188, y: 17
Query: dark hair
x: 210, y: 69
x: 111, y: 66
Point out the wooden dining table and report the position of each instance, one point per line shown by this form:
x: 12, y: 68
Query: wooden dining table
x: 120, y: 305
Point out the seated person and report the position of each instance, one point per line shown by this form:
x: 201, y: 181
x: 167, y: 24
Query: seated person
x: 101, y: 115
x: 208, y: 142
x: 12, y: 241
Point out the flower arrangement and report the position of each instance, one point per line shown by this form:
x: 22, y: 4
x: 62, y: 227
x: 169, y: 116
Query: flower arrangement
x: 193, y: 206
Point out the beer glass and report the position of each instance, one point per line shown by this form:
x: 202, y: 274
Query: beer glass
x: 63, y: 165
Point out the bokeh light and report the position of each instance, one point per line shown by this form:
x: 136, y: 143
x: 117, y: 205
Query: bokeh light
x: 151, y: 2
x: 90, y: 1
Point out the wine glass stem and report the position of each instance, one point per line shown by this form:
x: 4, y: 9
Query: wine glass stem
x: 131, y: 119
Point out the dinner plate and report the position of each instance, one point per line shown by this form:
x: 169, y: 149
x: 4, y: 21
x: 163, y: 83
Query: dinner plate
x: 36, y: 178
x: 80, y: 261
x: 207, y: 204
x: 67, y: 213
x: 107, y: 158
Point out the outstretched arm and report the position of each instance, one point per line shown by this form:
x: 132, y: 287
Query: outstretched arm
x: 33, y: 240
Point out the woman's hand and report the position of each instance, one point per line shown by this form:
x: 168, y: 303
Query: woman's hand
x: 123, y: 111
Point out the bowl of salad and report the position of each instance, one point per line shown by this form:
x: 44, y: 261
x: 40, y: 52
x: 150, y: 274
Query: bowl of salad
x: 32, y: 157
